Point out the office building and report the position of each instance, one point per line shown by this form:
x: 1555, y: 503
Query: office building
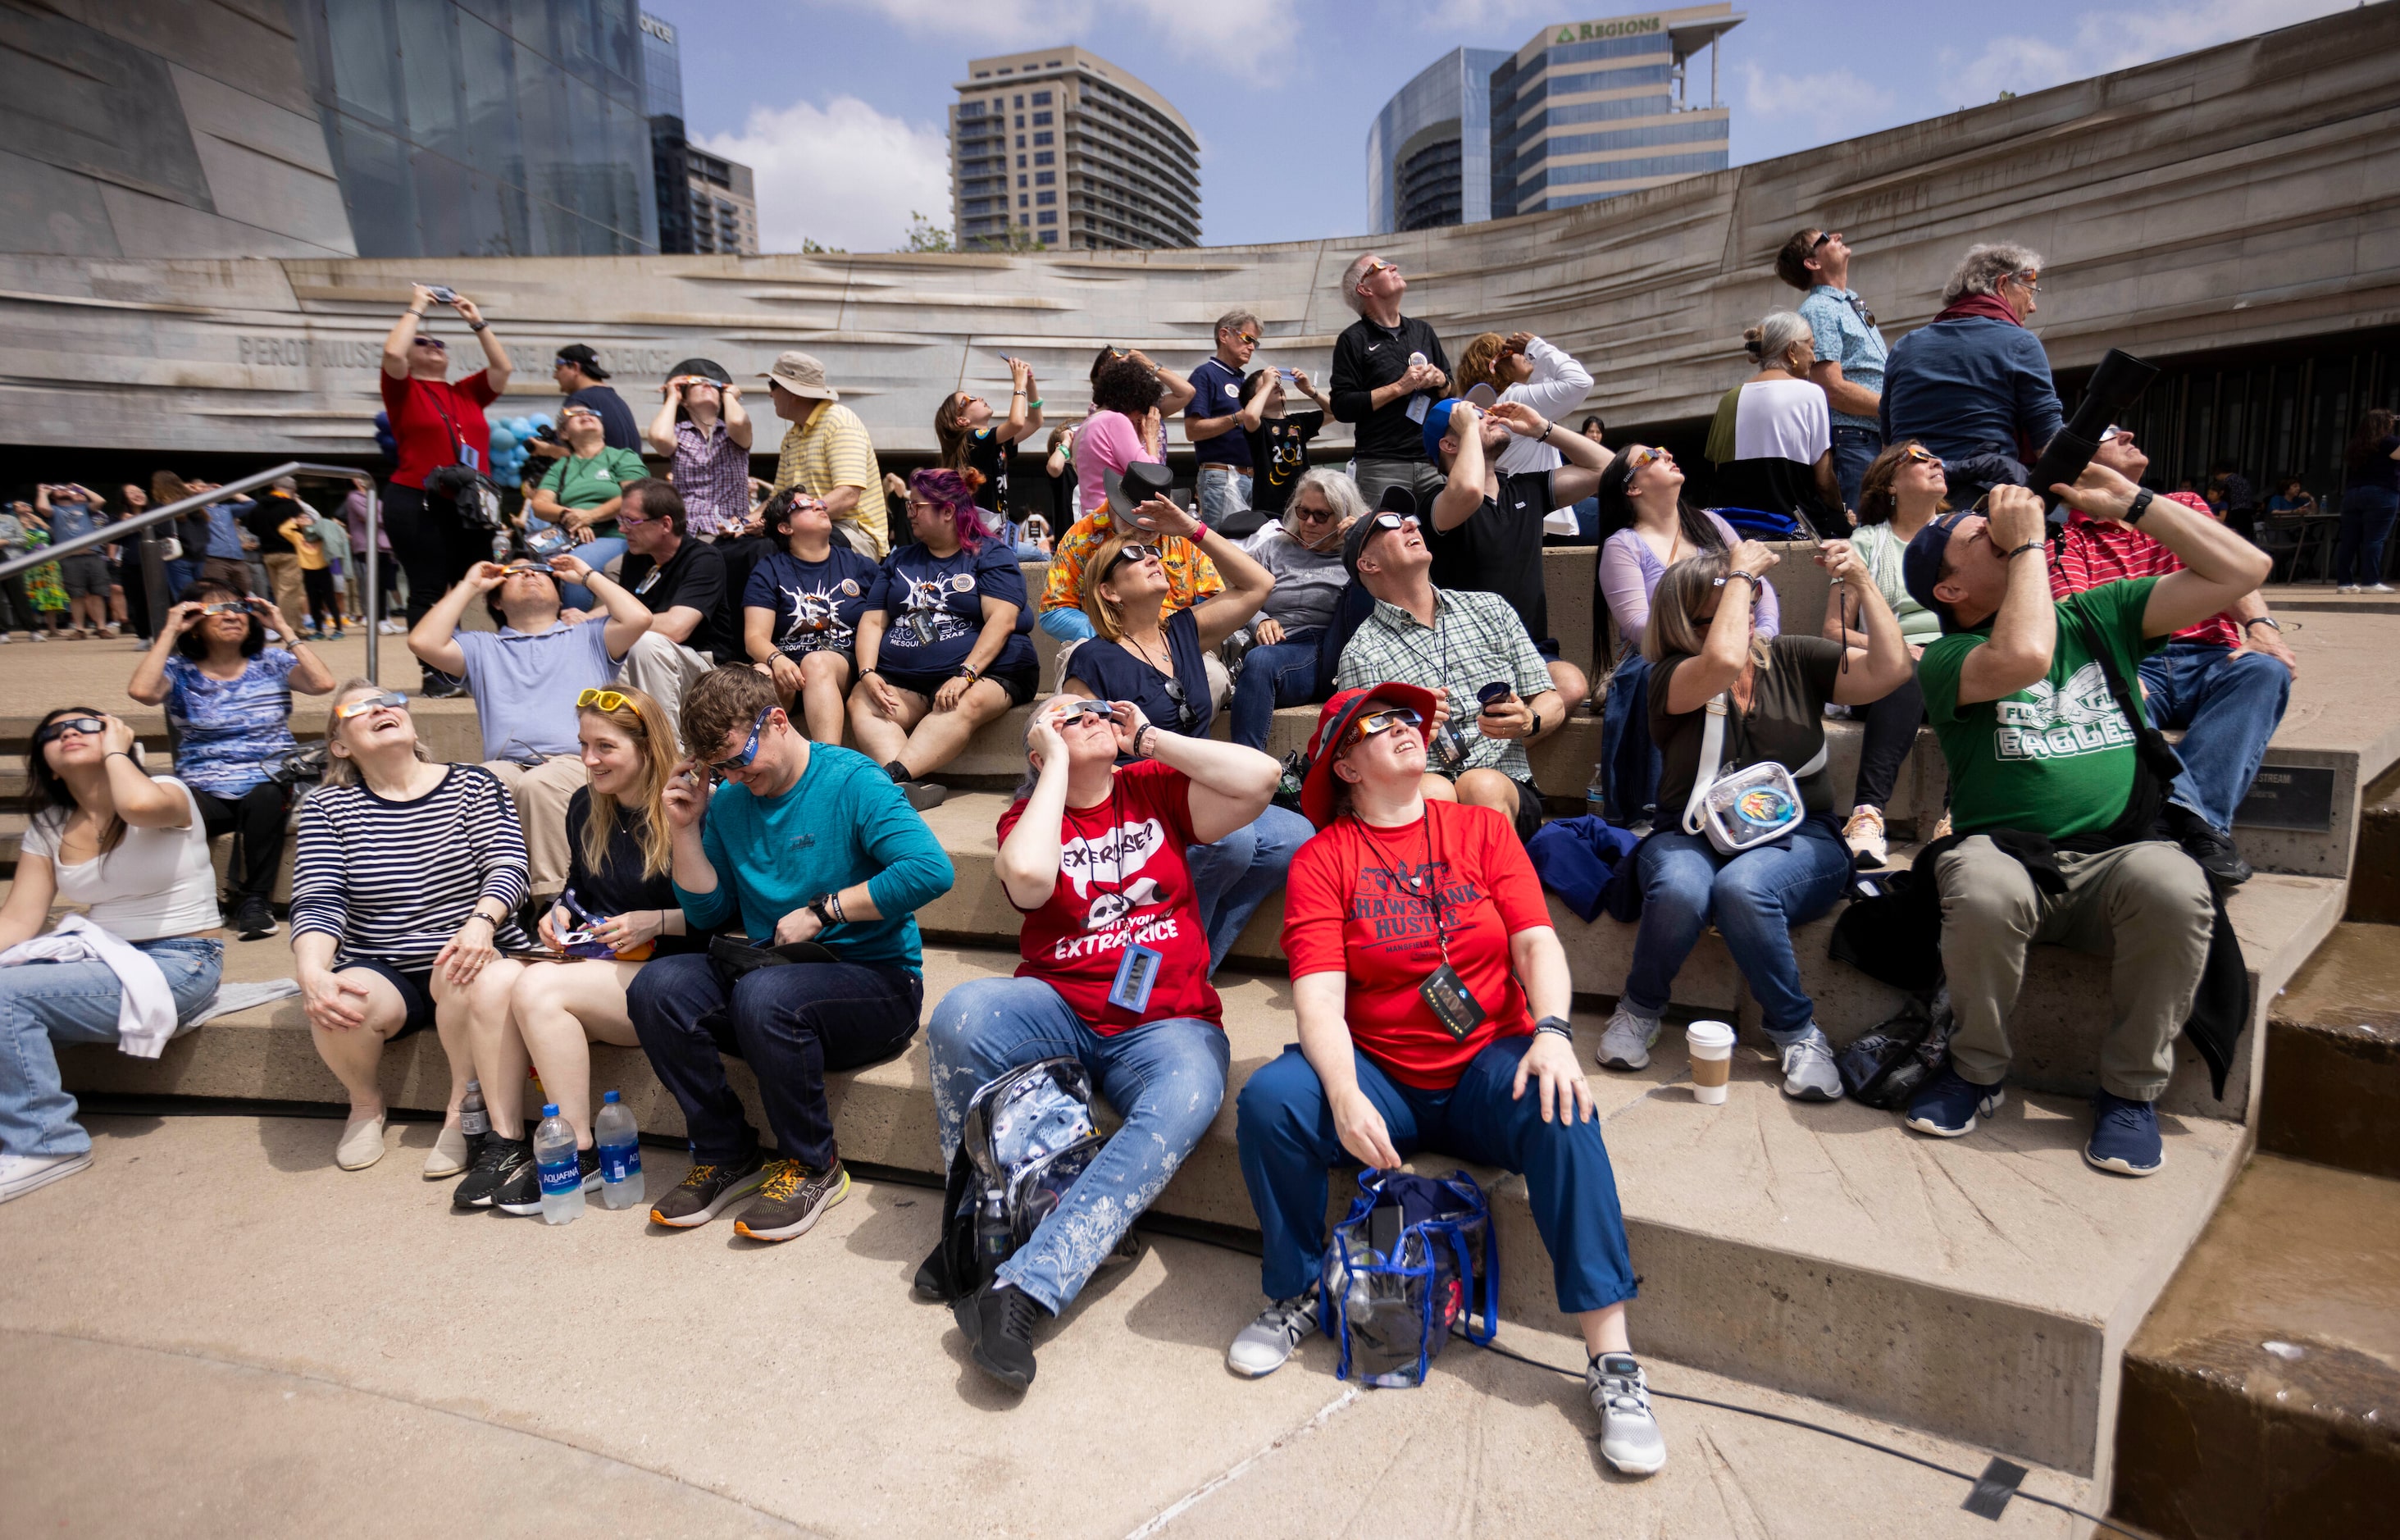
x: 724, y: 206
x: 1585, y: 110
x: 1059, y: 147
x: 707, y: 204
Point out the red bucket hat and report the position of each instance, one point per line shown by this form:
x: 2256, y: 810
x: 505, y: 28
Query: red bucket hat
x: 1316, y: 790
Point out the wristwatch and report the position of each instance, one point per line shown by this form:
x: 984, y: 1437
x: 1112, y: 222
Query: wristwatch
x: 820, y: 907
x: 2142, y: 502
x: 2262, y: 620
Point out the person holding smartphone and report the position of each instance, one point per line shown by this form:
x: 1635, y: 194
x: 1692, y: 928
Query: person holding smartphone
x: 228, y: 697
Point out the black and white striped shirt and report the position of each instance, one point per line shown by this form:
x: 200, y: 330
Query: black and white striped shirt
x: 394, y: 880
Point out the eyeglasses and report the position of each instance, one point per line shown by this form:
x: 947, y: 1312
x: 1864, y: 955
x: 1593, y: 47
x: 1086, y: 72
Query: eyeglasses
x: 606, y: 700
x: 1133, y: 553
x: 1374, y: 722
x: 1642, y: 457
x: 1922, y: 456
x: 1086, y: 709
x: 1311, y: 515
x: 1374, y: 268
x: 1822, y: 236
x: 1250, y: 337
x: 2111, y: 433
x: 1395, y: 521
x: 90, y: 727
x: 517, y: 569
x: 916, y: 503
x: 2031, y: 279
x: 435, y: 343
x: 226, y: 606
x: 365, y: 703
x: 720, y: 769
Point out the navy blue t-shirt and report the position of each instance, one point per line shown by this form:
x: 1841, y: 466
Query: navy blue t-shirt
x: 936, y: 605
x: 1113, y: 672
x: 816, y: 604
x: 1217, y: 393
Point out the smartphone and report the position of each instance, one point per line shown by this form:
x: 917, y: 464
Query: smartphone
x: 1492, y: 693
x: 442, y: 293
x: 1291, y: 377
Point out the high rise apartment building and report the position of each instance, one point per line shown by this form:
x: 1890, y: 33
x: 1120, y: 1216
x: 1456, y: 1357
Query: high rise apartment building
x: 1585, y: 110
x: 707, y: 204
x: 1059, y: 147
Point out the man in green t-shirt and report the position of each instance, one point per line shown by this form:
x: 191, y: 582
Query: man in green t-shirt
x: 2035, y: 744
x: 580, y: 491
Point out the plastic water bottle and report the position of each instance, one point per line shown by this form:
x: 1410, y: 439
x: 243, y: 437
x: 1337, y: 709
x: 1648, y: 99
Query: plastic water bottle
x: 561, y: 1174
x: 1595, y: 797
x: 475, y: 1119
x: 621, y: 1154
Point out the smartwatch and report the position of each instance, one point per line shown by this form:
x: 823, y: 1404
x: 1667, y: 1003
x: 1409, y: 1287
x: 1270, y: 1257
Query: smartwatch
x: 2142, y: 502
x: 1557, y: 1024
x: 2262, y: 620
x: 818, y: 907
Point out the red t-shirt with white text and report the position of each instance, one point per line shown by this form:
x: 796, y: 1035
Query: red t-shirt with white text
x: 1359, y: 904
x: 1122, y: 878
x: 415, y: 408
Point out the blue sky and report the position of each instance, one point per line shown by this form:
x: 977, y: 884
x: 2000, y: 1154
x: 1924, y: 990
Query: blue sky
x: 839, y: 103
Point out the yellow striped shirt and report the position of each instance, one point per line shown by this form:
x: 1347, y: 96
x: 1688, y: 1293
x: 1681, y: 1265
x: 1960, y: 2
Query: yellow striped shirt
x: 833, y: 452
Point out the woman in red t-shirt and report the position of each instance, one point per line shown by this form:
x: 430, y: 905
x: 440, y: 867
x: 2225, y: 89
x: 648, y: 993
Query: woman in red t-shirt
x: 435, y: 423
x: 1397, y: 904
x: 1116, y: 973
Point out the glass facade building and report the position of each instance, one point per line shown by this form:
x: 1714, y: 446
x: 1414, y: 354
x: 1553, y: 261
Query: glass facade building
x: 1585, y: 110
x: 484, y: 128
x: 1059, y: 147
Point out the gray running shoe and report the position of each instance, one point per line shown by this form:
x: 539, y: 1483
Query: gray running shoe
x: 1808, y: 1073
x: 1627, y: 1043
x: 1264, y: 1344
x: 1629, y: 1438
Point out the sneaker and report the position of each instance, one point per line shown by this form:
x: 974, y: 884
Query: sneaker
x: 998, y: 1320
x: 2125, y: 1137
x: 1941, y: 829
x: 1264, y: 1344
x: 1950, y: 1103
x: 360, y: 1145
x: 2347, y: 588
x: 1808, y: 1073
x: 390, y: 627
x: 252, y: 920
x: 521, y: 1193
x: 1863, y: 834
x: 1629, y: 1438
x: 705, y: 1189
x: 497, y: 1165
x: 1629, y: 1039
x: 2380, y: 588
x: 791, y: 1200
x: 2213, y: 851
x: 922, y: 794
x: 21, y: 1174
x: 441, y: 687
x: 449, y: 1155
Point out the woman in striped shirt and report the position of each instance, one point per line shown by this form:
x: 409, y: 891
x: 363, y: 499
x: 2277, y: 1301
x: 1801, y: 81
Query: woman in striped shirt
x: 402, y: 901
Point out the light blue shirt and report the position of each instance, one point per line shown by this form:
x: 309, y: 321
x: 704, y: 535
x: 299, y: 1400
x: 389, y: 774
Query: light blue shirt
x: 525, y: 685
x: 1844, y: 338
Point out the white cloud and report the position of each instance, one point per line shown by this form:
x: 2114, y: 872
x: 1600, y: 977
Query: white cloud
x: 2118, y: 39
x: 842, y: 174
x: 1267, y: 28
x: 1833, y: 104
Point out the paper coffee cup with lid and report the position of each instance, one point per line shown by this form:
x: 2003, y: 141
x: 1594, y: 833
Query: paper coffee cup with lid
x: 1712, y: 1049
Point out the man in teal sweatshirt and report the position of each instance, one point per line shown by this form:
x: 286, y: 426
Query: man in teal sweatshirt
x: 801, y: 841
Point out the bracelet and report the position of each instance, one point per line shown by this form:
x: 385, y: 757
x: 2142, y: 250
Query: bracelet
x: 2012, y: 555
x: 1545, y: 432
x: 1035, y: 403
x: 1199, y: 532
x: 1751, y: 577
x: 970, y: 673
x: 832, y: 901
x: 1556, y: 1026
x: 119, y: 753
x: 1141, y: 738
x: 477, y: 914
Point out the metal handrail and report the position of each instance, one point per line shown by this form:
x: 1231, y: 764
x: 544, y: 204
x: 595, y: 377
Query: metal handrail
x: 152, y: 569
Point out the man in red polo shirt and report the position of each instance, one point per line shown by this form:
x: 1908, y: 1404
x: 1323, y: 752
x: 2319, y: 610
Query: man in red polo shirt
x: 2225, y: 680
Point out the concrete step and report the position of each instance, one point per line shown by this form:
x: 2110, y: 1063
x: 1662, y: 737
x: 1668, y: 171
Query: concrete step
x: 2375, y: 873
x: 1981, y: 1288
x: 2258, y: 1397
x: 2333, y: 1056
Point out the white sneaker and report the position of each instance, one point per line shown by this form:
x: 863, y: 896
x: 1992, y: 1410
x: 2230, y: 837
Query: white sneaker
x: 2380, y: 588
x: 1627, y: 1041
x: 21, y: 1174
x: 2347, y: 588
x: 1264, y: 1344
x: 1864, y: 835
x: 361, y: 1144
x: 1629, y: 1438
x: 392, y: 628
x: 1808, y: 1073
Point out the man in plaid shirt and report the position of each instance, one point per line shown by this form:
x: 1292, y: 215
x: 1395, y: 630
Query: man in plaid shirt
x: 1455, y: 644
x: 2224, y: 681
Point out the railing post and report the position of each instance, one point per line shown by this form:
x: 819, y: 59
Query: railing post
x: 375, y: 584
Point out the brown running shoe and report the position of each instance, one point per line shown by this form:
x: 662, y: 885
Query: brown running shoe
x: 791, y: 1200
x: 705, y: 1192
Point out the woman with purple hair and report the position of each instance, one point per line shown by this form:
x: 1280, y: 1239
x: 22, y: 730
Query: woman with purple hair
x: 943, y: 647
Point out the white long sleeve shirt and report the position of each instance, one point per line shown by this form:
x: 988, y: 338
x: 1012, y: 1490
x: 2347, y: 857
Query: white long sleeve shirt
x: 1558, y: 386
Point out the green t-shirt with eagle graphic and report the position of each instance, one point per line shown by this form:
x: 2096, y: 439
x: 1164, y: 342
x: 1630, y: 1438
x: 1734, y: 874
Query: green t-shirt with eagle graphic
x: 2056, y: 758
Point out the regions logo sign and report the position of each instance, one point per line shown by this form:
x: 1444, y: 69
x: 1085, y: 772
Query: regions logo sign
x: 1585, y: 32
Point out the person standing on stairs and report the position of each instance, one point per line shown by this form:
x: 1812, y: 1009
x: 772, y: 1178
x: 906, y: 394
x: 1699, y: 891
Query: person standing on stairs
x: 2053, y: 804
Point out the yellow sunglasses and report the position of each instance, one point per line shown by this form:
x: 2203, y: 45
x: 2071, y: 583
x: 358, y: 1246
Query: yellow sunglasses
x: 606, y: 700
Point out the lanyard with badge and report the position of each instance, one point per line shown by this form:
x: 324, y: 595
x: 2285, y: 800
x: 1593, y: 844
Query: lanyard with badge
x: 1445, y: 994
x: 1138, y: 970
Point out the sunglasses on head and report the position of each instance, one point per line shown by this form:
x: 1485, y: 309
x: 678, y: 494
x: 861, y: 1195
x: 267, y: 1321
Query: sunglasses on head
x: 720, y: 769
x: 1133, y: 553
x: 606, y: 700
x: 367, y: 703
x: 90, y: 727
x: 1374, y: 722
x: 435, y: 343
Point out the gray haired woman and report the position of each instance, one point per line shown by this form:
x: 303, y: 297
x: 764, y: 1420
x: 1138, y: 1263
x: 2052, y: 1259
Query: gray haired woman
x: 1772, y: 440
x: 1292, y: 646
x: 1974, y: 385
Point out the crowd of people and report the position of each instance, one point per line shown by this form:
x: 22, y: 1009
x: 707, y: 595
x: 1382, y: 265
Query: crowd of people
x: 713, y: 710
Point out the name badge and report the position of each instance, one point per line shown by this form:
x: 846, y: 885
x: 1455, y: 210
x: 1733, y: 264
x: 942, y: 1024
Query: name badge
x: 1453, y: 1004
x: 1137, y: 976
x: 1418, y: 406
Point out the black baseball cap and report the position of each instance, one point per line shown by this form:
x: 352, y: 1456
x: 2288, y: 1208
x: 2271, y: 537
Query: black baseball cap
x: 1396, y: 499
x: 583, y: 357
x: 1921, y: 566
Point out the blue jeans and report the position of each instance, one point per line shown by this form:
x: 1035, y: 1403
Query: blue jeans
x: 2229, y: 703
x: 2366, y: 515
x: 1166, y: 1079
x: 596, y: 555
x: 1286, y: 1132
x: 791, y: 1024
x: 1290, y: 672
x: 1232, y: 878
x: 1067, y: 625
x: 42, y: 1004
x: 1755, y: 898
x: 181, y: 573
x: 1629, y: 763
x: 1854, y: 450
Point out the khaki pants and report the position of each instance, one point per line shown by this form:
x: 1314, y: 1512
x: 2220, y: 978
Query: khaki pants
x: 283, y: 577
x: 663, y: 670
x: 2146, y: 907
x: 541, y: 793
